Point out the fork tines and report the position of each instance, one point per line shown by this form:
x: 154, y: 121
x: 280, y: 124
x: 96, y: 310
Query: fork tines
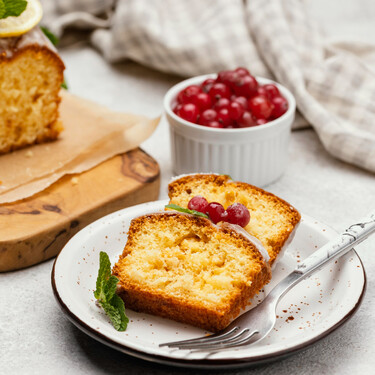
x: 227, y: 339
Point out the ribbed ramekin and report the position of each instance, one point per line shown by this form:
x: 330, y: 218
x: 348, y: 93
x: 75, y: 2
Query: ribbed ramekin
x: 257, y: 155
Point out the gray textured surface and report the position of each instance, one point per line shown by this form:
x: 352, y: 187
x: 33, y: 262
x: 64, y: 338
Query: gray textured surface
x: 35, y: 336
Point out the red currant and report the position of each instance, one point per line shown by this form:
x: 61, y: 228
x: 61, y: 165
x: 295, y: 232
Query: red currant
x: 207, y: 84
x: 223, y: 117
x: 229, y: 78
x: 216, y: 212
x: 177, y: 108
x: 202, y: 101
x: 198, y: 203
x: 222, y: 103
x: 241, y: 100
x: 207, y: 116
x: 189, y: 112
x: 247, y: 86
x: 260, y: 107
x: 236, y: 110
x: 246, y: 121
x: 215, y: 124
x: 271, y: 90
x: 242, y: 72
x: 224, y: 76
x: 219, y: 90
x: 261, y: 121
x: 238, y: 214
x: 280, y: 106
x: 262, y: 92
x: 186, y: 95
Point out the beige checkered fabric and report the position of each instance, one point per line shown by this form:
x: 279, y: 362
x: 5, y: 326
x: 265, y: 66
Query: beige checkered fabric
x: 334, y: 88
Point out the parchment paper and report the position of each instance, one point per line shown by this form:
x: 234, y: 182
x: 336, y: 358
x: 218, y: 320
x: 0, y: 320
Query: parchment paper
x: 92, y: 135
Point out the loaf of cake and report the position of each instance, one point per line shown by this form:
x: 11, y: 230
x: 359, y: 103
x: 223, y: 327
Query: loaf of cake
x: 185, y: 268
x: 272, y: 219
x: 31, y: 73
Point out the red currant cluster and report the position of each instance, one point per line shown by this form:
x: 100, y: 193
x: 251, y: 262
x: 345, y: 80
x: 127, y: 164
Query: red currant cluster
x: 233, y: 100
x: 237, y: 213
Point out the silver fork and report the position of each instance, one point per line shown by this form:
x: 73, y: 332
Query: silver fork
x: 254, y: 325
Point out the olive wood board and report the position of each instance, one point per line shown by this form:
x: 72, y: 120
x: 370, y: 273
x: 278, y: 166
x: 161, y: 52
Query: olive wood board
x: 35, y: 229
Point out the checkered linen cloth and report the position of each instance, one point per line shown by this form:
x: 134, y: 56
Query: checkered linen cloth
x: 334, y: 88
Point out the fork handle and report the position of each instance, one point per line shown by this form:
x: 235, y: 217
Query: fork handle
x: 334, y: 249
x: 339, y: 246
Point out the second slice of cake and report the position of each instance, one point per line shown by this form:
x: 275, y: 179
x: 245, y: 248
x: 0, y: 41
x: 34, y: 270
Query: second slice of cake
x: 273, y: 220
x: 185, y: 268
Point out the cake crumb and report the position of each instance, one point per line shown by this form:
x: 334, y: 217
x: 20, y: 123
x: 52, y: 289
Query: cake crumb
x: 74, y: 181
x: 29, y: 154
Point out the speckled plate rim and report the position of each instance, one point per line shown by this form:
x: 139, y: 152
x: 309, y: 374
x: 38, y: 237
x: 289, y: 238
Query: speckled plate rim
x: 204, y: 363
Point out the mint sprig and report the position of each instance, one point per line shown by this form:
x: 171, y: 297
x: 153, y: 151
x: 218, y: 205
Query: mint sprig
x: 2, y: 9
x: 12, y: 8
x: 64, y: 85
x: 185, y: 210
x: 50, y: 35
x: 106, y: 295
x: 55, y: 41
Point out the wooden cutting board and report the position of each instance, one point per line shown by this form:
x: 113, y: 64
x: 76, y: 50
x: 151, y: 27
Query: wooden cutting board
x: 35, y: 229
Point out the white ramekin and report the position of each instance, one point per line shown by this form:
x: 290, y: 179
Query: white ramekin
x: 257, y: 155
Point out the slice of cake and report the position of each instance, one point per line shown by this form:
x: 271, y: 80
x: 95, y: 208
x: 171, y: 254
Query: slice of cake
x: 31, y: 73
x: 272, y: 219
x: 185, y: 268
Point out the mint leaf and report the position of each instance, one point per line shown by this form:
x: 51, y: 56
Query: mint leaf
x: 110, y: 287
x: 103, y: 275
x: 55, y: 41
x: 118, y: 303
x: 116, y: 313
x: 64, y: 85
x: 112, y: 313
x: 106, y: 295
x: 186, y: 210
x: 13, y: 8
x: 2, y: 9
x: 50, y: 35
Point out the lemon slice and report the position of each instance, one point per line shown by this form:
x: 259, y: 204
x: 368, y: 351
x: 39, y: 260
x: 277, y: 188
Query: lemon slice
x: 14, y: 26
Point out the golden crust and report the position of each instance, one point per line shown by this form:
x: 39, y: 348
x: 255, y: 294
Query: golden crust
x: 184, y: 188
x: 37, y: 49
x: 182, y: 308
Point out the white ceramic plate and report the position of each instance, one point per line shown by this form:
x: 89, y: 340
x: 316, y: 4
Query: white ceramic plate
x: 307, y: 313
